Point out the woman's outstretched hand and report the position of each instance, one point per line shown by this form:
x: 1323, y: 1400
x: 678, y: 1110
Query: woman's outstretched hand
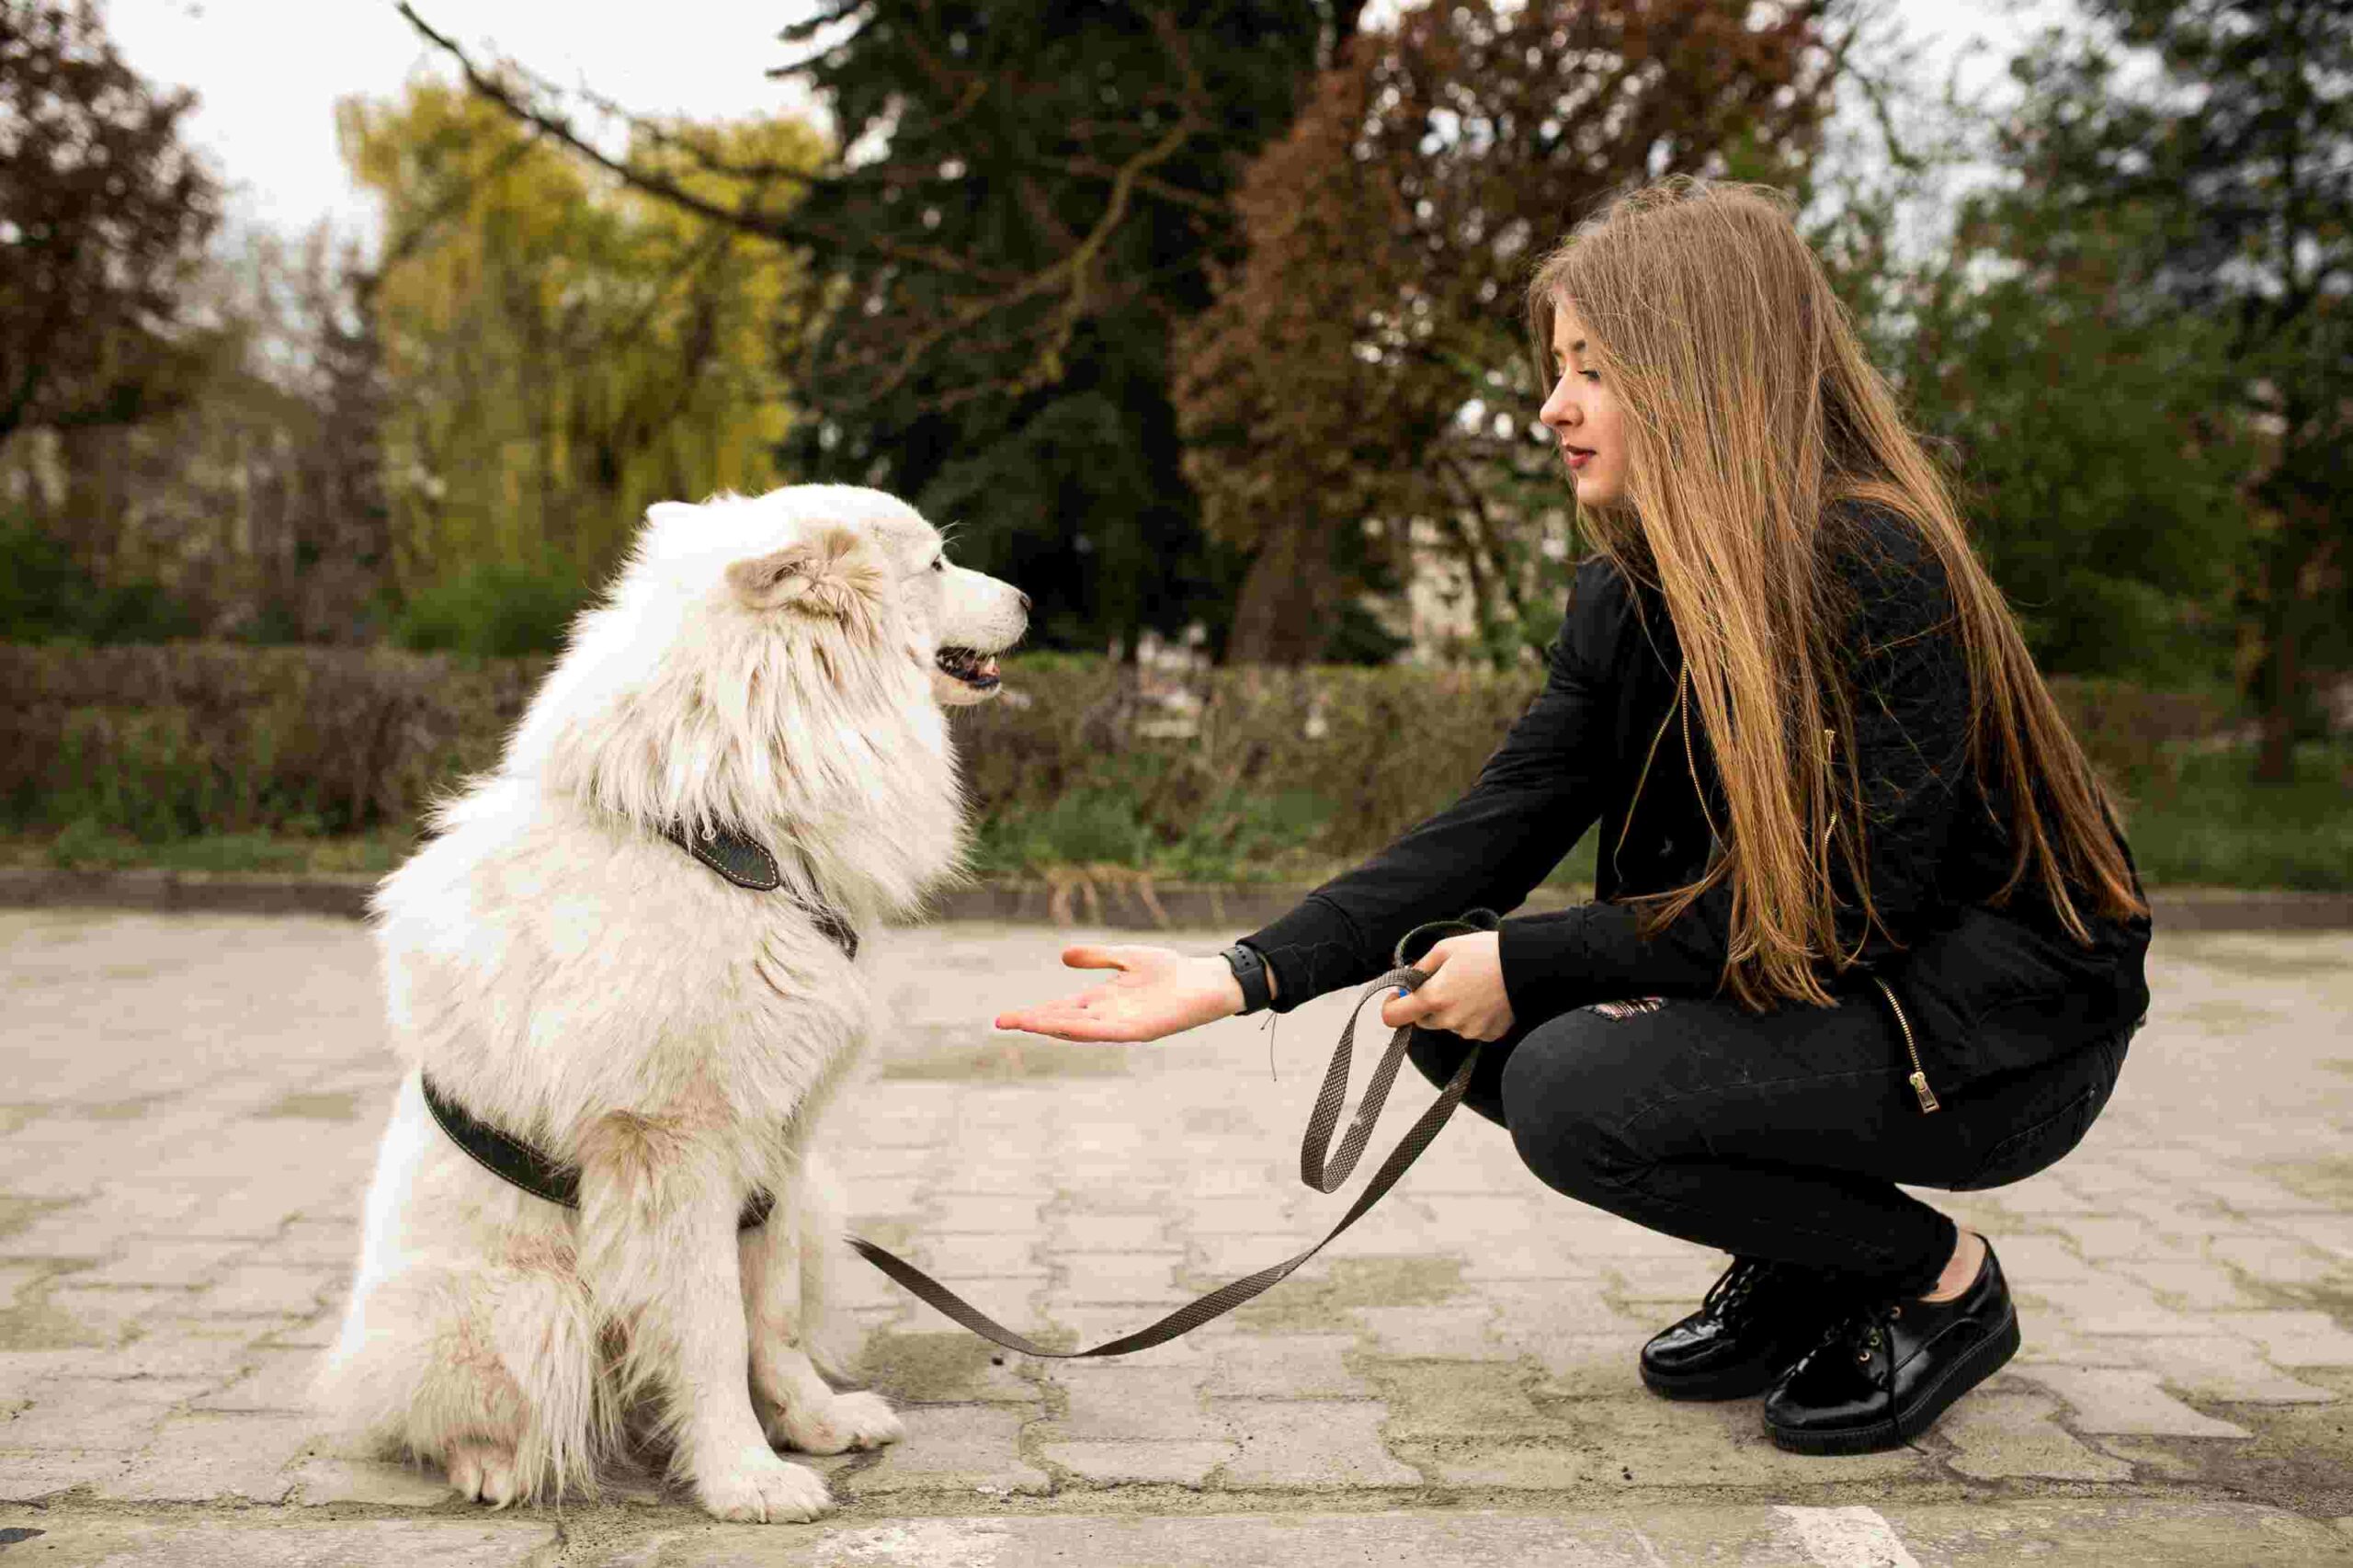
x: 1464, y: 993
x: 1157, y: 992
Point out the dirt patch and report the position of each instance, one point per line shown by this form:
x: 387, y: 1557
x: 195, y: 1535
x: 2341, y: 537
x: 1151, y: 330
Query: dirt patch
x: 1300, y: 1306
x: 18, y: 1213
x: 2222, y: 1017
x: 2300, y: 1458
x: 317, y: 1107
x: 121, y: 1110
x: 929, y: 1369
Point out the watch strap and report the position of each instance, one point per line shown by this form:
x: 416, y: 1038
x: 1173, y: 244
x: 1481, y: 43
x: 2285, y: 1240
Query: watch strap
x: 1249, y: 968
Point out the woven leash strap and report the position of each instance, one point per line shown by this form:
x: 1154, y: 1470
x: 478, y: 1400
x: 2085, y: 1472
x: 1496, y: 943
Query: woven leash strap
x: 1314, y: 1149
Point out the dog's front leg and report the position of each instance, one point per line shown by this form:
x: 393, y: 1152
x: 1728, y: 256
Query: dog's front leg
x: 658, y: 1214
x: 800, y: 1410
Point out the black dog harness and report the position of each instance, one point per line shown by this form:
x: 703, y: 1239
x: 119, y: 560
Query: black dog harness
x: 746, y: 864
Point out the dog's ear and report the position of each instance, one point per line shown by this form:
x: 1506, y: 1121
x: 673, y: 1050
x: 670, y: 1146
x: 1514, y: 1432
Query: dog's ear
x: 835, y: 574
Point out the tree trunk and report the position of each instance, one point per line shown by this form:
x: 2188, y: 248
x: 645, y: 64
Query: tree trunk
x: 1283, y: 613
x: 2283, y: 657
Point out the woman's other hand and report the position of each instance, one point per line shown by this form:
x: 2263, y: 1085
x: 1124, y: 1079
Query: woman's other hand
x: 1157, y: 992
x: 1464, y: 993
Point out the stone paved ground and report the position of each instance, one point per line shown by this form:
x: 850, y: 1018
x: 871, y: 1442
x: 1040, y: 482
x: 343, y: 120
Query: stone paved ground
x: 191, y: 1106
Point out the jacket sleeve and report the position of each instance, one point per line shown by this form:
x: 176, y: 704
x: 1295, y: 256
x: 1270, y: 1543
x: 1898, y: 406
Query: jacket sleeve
x: 1536, y: 794
x: 1910, y: 743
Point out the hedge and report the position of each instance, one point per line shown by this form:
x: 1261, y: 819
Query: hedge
x: 166, y: 742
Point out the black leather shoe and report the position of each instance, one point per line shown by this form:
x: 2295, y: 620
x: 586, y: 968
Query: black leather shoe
x: 1883, y: 1375
x: 1752, y: 1325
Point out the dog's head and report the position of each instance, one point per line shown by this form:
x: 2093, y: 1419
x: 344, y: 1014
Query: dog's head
x: 780, y: 657
x: 836, y: 563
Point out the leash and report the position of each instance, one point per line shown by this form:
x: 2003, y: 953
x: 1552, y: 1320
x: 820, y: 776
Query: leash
x: 1319, y: 1168
x: 748, y: 865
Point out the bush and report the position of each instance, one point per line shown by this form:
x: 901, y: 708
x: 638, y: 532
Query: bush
x: 46, y: 595
x: 1259, y: 773
x: 491, y: 612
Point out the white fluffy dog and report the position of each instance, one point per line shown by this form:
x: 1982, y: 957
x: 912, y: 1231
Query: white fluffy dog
x: 571, y: 976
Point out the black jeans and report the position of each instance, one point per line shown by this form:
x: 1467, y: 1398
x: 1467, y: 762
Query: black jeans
x: 1779, y: 1135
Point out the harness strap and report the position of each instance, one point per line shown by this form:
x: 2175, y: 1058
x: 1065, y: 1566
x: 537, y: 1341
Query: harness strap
x: 516, y: 1163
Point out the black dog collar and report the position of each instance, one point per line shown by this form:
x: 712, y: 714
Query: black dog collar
x: 746, y: 863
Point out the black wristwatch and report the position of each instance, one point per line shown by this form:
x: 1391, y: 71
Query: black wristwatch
x: 1250, y: 968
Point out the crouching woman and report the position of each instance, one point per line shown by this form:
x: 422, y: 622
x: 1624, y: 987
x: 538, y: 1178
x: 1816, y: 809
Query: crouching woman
x: 1863, y: 915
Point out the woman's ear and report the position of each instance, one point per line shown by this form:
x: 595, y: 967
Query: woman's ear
x: 833, y: 574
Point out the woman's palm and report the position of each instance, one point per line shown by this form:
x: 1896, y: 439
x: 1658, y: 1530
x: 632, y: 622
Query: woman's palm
x: 1157, y: 992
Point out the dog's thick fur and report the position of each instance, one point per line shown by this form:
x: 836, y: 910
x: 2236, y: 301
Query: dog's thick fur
x: 571, y: 976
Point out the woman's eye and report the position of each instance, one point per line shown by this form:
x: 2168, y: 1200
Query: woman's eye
x: 1593, y: 375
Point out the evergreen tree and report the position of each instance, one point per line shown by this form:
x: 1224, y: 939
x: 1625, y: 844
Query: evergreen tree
x: 2224, y: 130
x: 1047, y: 183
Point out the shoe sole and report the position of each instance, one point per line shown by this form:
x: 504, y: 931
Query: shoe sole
x: 1740, y: 1382
x: 1964, y: 1374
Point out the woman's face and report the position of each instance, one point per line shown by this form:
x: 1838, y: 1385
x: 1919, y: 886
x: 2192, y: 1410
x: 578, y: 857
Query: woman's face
x: 1583, y: 415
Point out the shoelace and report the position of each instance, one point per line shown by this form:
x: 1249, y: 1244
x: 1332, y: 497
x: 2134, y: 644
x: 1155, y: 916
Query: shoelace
x: 1726, y: 1296
x: 1860, y: 1332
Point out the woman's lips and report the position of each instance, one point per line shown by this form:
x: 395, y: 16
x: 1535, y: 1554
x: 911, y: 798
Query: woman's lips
x: 1578, y: 456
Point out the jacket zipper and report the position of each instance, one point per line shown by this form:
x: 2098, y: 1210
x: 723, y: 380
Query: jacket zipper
x: 1928, y: 1101
x: 1919, y: 1075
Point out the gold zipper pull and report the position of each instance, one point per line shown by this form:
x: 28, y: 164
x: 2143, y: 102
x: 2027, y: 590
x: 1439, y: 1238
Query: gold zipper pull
x: 1927, y: 1096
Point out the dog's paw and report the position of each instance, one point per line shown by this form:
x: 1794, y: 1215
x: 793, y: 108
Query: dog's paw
x: 483, y: 1473
x: 757, y: 1488
x: 843, y: 1421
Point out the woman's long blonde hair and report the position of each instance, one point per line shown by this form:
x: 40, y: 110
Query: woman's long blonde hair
x: 1749, y: 410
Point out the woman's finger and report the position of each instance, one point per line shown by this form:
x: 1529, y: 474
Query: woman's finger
x: 1087, y: 955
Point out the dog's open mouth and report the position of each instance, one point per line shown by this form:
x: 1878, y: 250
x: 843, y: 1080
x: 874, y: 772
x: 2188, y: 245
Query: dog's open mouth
x: 976, y: 670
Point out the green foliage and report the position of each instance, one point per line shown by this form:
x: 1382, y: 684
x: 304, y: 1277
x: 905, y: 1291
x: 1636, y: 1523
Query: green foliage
x: 562, y: 350
x: 2210, y: 824
x: 46, y: 595
x: 996, y: 287
x: 496, y: 612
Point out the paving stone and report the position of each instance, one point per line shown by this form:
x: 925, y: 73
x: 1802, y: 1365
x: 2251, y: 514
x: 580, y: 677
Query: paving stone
x: 1112, y: 1464
x: 1115, y: 1403
x: 2113, y: 1305
x: 324, y: 1481
x: 2199, y: 1286
x: 253, y: 1289
x: 1449, y: 1333
x: 2331, y: 1232
x: 1107, y: 1277
x: 953, y: 1448
x: 150, y: 1260
x: 2007, y: 1433
x: 1319, y: 1444
x: 2028, y: 1257
x: 28, y: 1476
x: 2291, y: 1338
x: 2278, y: 1260
x: 91, y: 1413
x: 2103, y: 1237
x: 1287, y: 1365
x: 1110, y: 1232
x: 2230, y: 1371
x: 279, y: 1379
x: 2108, y: 1399
x: 479, y: 1540
x: 972, y: 1255
x: 950, y: 1213
x: 197, y: 1457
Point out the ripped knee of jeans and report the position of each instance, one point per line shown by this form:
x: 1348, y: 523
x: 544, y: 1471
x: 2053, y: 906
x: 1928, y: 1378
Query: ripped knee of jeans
x: 1632, y: 1006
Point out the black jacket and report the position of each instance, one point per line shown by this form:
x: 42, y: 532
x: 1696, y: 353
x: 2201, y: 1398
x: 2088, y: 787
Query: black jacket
x: 1984, y: 989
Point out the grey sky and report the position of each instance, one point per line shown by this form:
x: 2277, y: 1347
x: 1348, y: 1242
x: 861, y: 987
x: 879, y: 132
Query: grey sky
x: 269, y: 71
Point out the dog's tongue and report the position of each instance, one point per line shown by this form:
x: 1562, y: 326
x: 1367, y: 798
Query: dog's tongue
x: 988, y: 667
